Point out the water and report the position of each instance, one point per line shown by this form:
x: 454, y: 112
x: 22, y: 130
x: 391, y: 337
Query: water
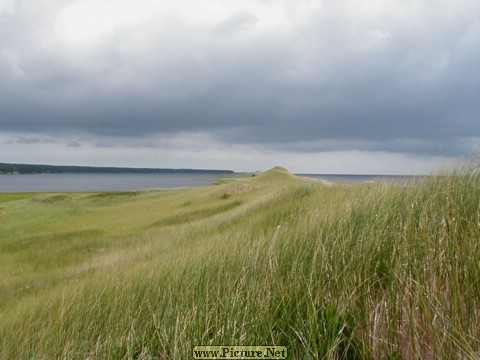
x: 355, y: 179
x: 102, y: 182
x: 125, y: 182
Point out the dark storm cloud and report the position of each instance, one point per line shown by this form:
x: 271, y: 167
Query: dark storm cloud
x: 334, y: 80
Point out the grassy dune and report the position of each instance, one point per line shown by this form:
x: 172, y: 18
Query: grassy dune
x: 370, y: 271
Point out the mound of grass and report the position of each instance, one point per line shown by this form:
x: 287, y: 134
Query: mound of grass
x: 372, y: 271
x: 276, y: 174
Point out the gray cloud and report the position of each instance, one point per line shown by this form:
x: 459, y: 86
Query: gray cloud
x: 237, y: 22
x: 401, y: 80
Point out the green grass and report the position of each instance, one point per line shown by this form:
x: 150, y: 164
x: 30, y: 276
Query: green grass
x: 372, y: 271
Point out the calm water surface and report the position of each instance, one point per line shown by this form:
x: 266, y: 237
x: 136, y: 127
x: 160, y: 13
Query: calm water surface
x: 125, y: 182
x: 355, y: 179
x: 101, y: 182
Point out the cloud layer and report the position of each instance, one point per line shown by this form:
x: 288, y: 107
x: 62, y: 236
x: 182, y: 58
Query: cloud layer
x: 299, y: 77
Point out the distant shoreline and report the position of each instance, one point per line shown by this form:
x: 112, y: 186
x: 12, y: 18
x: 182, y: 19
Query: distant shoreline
x: 20, y: 169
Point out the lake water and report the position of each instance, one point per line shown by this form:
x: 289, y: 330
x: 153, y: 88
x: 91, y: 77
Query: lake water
x: 125, y: 182
x: 102, y: 182
x: 355, y: 179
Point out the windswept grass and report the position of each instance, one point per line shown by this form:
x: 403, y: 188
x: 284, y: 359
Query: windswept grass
x: 371, y: 271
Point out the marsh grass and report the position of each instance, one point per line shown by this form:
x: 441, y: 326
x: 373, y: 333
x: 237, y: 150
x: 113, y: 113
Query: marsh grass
x: 372, y: 271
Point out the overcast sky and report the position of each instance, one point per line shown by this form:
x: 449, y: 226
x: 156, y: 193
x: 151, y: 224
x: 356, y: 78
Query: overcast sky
x: 332, y: 86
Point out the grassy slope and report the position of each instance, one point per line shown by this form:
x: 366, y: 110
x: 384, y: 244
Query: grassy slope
x: 367, y: 271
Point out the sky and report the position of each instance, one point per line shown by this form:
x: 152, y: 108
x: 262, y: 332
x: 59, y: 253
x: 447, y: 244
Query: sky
x: 316, y: 86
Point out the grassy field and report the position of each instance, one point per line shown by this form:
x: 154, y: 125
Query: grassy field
x: 371, y: 271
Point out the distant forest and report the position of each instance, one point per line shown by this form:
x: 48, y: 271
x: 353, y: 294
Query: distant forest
x: 54, y: 169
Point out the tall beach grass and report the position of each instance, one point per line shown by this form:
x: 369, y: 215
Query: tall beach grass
x: 371, y: 271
